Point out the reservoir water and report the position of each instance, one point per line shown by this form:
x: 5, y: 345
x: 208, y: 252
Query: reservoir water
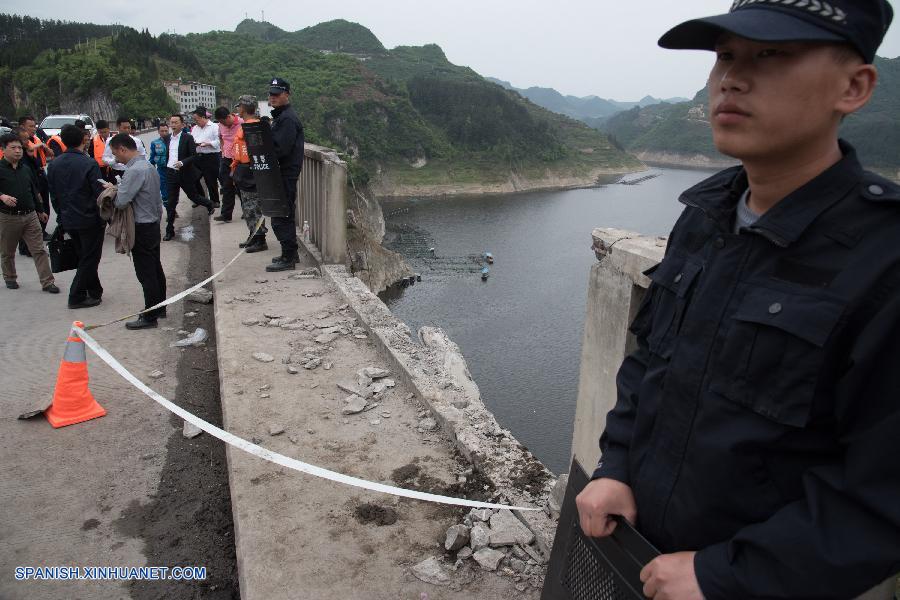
x: 520, y: 331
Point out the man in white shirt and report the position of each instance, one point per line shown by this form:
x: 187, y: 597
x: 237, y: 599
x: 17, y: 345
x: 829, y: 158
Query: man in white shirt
x: 209, y: 151
x: 181, y: 173
x: 123, y: 124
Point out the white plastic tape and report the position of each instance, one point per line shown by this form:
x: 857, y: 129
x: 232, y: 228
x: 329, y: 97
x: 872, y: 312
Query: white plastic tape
x: 279, y: 459
x: 181, y: 295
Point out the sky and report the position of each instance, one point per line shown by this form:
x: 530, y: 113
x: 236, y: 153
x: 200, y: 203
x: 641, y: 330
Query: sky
x: 579, y: 47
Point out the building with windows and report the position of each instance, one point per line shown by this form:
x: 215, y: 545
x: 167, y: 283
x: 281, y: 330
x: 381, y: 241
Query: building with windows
x: 191, y: 94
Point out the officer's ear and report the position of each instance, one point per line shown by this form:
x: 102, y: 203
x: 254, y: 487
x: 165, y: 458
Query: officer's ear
x: 858, y: 82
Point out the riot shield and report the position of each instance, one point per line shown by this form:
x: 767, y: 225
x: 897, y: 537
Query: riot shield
x: 583, y: 568
x: 265, y: 169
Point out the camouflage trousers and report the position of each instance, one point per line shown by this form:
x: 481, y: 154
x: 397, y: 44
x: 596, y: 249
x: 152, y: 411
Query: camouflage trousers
x: 251, y: 210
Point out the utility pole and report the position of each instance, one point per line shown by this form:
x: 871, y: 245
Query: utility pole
x: 264, y: 15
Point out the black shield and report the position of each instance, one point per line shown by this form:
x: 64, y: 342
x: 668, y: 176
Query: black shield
x: 265, y: 169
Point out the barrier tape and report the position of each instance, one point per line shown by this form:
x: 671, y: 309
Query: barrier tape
x: 186, y: 292
x: 274, y: 457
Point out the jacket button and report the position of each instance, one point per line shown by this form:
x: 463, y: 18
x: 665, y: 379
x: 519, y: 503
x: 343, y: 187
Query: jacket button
x: 678, y: 278
x: 719, y: 243
x: 876, y: 190
x: 775, y: 309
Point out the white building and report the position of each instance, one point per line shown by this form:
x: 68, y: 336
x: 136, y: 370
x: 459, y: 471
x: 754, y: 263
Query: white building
x: 191, y: 94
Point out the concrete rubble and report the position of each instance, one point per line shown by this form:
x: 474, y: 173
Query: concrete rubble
x: 431, y: 571
x: 436, y: 369
x: 201, y: 296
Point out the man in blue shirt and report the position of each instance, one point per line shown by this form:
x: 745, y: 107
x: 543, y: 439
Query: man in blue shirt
x: 159, y: 156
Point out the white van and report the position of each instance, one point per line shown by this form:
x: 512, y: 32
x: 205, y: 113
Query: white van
x: 52, y: 124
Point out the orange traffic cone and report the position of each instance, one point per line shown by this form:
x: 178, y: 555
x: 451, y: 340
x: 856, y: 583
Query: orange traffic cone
x: 72, y: 400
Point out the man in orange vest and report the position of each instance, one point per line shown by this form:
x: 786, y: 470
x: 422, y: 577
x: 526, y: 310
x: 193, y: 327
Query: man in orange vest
x: 243, y: 178
x: 97, y: 147
x: 36, y: 153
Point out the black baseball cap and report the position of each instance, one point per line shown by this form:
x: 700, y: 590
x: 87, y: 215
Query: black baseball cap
x: 861, y: 23
x: 279, y: 85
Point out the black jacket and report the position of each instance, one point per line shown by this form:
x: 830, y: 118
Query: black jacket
x: 287, y: 135
x: 21, y: 184
x: 187, y: 154
x: 74, y: 185
x: 758, y: 421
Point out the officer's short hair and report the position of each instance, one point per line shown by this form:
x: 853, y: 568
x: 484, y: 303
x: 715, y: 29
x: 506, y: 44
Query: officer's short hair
x: 221, y: 113
x: 7, y: 138
x: 101, y: 124
x: 123, y: 140
x: 121, y: 120
x: 178, y: 115
x: 25, y: 118
x: 80, y: 124
x: 71, y: 135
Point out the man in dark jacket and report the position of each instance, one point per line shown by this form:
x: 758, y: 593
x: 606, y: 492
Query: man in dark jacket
x: 755, y: 432
x: 287, y: 135
x: 181, y: 173
x: 75, y: 182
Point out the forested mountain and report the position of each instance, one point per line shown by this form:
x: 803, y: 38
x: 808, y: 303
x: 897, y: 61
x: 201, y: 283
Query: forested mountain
x: 407, y: 112
x: 683, y: 129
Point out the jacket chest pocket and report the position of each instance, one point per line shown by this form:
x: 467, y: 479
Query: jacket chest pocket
x: 673, y: 282
x: 772, y: 355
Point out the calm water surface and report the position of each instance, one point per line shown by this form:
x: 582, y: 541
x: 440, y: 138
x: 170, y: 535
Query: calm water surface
x: 520, y: 331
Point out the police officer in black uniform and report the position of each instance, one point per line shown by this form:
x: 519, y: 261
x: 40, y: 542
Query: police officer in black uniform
x: 287, y: 135
x: 755, y: 436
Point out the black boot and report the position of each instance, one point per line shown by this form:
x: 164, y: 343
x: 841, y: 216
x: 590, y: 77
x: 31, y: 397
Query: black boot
x: 285, y: 262
x: 257, y: 244
x: 170, y: 234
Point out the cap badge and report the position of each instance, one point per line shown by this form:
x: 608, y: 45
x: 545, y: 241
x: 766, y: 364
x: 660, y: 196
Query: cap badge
x: 819, y: 8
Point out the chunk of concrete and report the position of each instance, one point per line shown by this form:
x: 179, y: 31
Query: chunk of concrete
x: 373, y: 372
x: 276, y: 429
x: 354, y: 404
x: 156, y: 374
x: 326, y: 338
x: 505, y: 526
x: 201, y: 296
x: 457, y: 537
x: 263, y: 357
x: 464, y: 553
x: 431, y: 571
x: 488, y: 558
x: 312, y: 363
x: 479, y: 536
x: 481, y: 514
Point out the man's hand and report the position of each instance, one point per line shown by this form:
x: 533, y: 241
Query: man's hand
x: 599, y: 501
x: 42, y: 217
x: 178, y: 165
x: 8, y: 200
x: 671, y: 577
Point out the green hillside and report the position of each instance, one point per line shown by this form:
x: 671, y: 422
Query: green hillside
x: 684, y: 128
x: 407, y: 112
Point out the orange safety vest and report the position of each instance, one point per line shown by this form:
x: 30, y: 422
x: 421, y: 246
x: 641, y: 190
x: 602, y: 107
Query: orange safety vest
x: 36, y: 150
x: 58, y: 141
x: 241, y: 156
x: 99, y: 148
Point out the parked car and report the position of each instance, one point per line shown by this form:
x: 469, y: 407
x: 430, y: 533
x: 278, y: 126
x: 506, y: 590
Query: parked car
x: 52, y: 124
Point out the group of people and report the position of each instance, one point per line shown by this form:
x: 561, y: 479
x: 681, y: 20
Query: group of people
x: 73, y: 171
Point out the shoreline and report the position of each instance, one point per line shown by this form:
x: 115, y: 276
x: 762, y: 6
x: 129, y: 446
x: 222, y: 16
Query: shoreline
x: 513, y: 185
